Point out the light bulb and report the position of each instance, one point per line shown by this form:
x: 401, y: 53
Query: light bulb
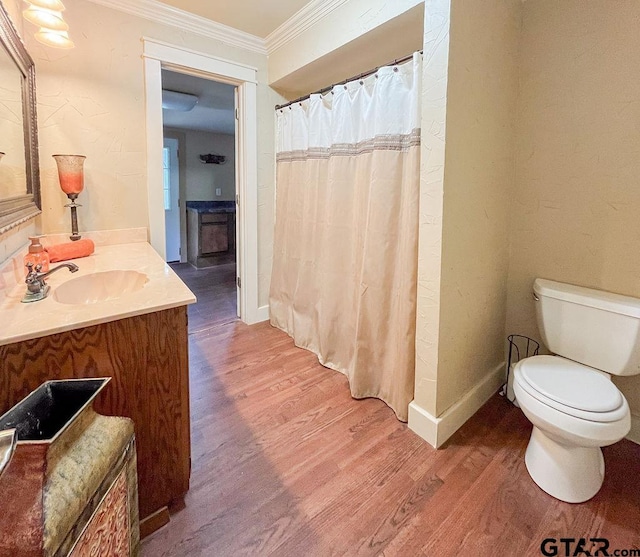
x: 45, y: 18
x: 56, y: 39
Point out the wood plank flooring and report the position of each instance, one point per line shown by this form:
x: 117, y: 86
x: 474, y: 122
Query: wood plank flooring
x: 215, y: 289
x: 286, y: 463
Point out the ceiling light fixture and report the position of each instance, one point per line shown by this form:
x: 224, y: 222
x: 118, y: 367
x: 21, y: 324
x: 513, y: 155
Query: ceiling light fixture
x: 174, y: 100
x: 47, y: 15
x: 56, y: 39
x: 45, y: 18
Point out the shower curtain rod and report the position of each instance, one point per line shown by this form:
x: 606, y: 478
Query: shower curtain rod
x: 354, y: 78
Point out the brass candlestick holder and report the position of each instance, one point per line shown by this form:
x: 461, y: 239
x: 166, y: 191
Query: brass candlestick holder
x: 71, y: 176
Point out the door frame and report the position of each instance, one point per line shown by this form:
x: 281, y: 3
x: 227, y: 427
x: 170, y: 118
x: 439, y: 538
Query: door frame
x: 174, y: 192
x: 180, y: 136
x: 159, y: 55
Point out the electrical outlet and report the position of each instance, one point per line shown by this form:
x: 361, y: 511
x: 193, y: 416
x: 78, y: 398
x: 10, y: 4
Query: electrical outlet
x: 218, y: 192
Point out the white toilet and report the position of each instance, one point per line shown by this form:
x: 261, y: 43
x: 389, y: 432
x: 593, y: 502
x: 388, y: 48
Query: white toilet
x: 570, y: 399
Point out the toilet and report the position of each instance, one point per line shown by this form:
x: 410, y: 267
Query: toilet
x: 569, y: 397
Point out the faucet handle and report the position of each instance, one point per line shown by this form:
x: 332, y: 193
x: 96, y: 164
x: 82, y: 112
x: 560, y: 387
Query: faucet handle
x: 30, y: 266
x: 33, y: 273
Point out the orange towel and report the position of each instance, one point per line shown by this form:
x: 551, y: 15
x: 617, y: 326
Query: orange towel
x: 70, y: 250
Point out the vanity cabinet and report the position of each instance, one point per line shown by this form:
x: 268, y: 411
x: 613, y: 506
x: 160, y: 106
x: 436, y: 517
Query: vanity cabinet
x: 211, y: 231
x: 147, y: 358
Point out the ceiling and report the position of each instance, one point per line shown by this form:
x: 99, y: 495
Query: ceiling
x: 214, y: 111
x: 257, y: 17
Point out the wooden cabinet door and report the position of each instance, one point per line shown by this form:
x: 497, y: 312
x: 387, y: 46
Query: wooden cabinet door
x: 213, y: 238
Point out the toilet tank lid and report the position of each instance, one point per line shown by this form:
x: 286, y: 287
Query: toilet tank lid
x: 600, y: 299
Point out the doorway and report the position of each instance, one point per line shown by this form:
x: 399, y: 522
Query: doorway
x: 199, y: 129
x: 198, y: 115
x: 159, y: 56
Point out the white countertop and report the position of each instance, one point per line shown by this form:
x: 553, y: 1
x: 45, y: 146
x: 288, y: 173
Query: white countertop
x: 164, y: 290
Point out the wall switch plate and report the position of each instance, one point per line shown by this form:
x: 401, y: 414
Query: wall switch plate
x: 218, y: 192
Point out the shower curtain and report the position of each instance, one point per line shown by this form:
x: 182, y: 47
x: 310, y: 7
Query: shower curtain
x: 343, y: 283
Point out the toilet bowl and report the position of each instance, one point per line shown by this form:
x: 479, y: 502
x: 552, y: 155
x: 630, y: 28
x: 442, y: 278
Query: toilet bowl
x: 569, y: 397
x: 574, y: 410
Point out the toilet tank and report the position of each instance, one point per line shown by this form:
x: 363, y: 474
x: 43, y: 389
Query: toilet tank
x: 596, y: 328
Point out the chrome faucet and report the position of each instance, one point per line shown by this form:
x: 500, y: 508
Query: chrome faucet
x: 37, y: 289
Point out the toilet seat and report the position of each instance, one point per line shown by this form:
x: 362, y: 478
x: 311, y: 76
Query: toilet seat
x: 571, y: 388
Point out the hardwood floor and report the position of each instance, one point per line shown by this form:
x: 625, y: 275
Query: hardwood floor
x: 215, y: 289
x: 285, y: 463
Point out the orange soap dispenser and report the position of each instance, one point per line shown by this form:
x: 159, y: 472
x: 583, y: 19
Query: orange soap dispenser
x: 36, y: 256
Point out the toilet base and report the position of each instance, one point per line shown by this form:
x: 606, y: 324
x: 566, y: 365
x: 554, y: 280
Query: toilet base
x: 567, y: 472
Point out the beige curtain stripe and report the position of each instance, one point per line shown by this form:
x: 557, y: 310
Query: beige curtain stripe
x: 378, y: 143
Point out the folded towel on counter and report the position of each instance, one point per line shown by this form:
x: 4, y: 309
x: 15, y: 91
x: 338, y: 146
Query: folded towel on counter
x: 70, y: 250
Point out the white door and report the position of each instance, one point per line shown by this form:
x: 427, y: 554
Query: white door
x: 238, y: 251
x: 171, y: 198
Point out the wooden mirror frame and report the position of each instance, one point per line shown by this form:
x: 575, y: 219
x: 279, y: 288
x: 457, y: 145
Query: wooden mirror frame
x: 18, y: 209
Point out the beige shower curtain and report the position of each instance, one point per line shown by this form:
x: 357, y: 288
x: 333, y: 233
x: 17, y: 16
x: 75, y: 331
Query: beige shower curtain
x: 343, y: 283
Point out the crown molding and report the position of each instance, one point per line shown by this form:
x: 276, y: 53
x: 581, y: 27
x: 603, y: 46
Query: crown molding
x: 168, y: 15
x: 299, y: 22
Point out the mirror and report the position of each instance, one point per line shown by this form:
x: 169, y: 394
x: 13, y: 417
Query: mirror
x: 19, y: 171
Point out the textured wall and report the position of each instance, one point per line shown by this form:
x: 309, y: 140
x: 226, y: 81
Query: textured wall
x: 203, y: 179
x: 574, y: 216
x: 434, y: 114
x: 479, y: 176
x: 465, y: 189
x: 91, y: 100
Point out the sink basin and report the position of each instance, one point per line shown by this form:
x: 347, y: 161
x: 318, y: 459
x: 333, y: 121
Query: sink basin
x: 99, y: 287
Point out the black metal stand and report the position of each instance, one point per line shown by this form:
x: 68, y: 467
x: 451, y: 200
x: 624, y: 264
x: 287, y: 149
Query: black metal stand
x: 520, y: 347
x: 74, y: 216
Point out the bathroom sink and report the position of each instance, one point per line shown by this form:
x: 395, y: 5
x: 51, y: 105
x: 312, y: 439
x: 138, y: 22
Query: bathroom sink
x: 99, y: 287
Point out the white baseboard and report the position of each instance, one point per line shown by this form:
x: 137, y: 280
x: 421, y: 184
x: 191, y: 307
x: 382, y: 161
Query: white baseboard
x: 423, y: 423
x: 634, y: 434
x: 258, y: 315
x: 263, y: 313
x: 436, y: 430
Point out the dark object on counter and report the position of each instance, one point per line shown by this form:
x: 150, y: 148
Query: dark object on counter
x: 212, y: 206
